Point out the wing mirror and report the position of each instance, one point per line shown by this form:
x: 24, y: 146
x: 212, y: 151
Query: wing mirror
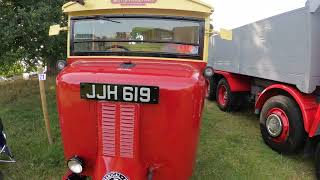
x: 226, y: 34
x: 223, y: 33
x: 56, y: 29
x: 4, y: 148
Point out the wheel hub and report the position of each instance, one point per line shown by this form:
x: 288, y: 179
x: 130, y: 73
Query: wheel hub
x: 223, y: 95
x: 274, y: 125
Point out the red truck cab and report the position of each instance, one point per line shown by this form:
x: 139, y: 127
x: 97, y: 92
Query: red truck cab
x: 131, y: 96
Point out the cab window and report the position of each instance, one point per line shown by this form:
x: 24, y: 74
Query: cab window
x: 137, y: 36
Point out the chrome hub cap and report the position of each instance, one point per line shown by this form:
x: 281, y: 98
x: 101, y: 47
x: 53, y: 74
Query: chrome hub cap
x: 274, y: 125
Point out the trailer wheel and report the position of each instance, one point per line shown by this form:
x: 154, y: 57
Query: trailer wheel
x: 212, y: 89
x: 281, y: 125
x: 317, y: 160
x: 226, y: 100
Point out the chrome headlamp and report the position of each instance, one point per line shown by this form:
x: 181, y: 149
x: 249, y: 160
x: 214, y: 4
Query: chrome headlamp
x: 76, y: 165
x: 208, y: 72
x: 61, y: 64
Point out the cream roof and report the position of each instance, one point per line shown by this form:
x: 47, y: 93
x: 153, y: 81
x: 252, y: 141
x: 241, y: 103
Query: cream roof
x: 179, y: 5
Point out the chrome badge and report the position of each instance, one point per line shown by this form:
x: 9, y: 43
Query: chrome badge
x: 115, y: 176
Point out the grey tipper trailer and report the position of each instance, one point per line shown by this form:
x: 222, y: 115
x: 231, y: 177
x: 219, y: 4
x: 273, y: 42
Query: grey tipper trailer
x: 283, y: 48
x: 274, y: 62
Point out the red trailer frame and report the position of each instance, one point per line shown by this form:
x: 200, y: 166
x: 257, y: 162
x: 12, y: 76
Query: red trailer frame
x: 226, y: 87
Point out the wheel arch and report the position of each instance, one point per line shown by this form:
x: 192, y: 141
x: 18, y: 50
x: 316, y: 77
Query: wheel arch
x: 307, y: 103
x: 237, y: 83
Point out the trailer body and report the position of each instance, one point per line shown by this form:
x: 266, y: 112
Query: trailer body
x: 282, y: 48
x: 275, y: 64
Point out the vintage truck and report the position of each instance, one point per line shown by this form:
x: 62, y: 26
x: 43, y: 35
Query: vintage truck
x: 131, y: 94
x: 274, y: 63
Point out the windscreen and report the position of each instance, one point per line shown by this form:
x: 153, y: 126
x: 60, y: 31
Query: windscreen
x: 143, y: 36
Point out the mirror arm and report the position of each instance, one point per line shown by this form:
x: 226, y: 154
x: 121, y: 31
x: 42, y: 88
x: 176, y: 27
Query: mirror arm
x: 55, y: 30
x: 210, y: 32
x: 64, y: 28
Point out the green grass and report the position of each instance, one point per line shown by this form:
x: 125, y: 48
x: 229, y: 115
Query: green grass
x: 20, y: 109
x: 230, y: 145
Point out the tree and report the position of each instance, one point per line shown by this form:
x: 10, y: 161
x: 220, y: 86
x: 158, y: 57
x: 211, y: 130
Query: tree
x: 24, y: 32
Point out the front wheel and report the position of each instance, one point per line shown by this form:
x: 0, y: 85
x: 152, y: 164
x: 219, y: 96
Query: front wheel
x: 281, y: 125
x: 226, y: 100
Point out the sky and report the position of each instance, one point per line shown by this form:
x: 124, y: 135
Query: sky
x: 230, y: 14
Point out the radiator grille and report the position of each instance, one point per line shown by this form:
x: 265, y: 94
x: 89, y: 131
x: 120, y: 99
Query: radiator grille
x: 118, y: 128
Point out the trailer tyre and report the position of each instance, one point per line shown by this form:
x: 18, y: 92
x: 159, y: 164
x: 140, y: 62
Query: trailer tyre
x: 212, y: 89
x: 281, y: 125
x: 226, y: 100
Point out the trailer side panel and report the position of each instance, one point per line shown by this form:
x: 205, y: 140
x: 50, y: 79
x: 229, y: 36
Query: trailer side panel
x: 281, y: 48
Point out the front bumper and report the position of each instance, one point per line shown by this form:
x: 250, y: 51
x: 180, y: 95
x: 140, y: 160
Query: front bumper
x: 72, y: 176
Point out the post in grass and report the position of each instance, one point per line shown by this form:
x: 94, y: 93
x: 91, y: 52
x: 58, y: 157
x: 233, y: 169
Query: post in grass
x: 42, y: 78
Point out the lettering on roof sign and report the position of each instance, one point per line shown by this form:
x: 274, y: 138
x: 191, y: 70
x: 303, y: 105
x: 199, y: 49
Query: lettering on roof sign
x: 133, y: 2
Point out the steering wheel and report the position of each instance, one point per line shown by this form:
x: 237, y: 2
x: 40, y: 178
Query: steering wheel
x: 117, y: 46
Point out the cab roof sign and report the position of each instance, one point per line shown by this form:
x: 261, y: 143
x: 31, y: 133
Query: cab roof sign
x: 133, y: 2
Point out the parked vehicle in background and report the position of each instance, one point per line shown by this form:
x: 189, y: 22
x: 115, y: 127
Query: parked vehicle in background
x: 5, y: 153
x: 131, y: 94
x: 2, y: 79
x: 274, y: 63
x: 4, y: 148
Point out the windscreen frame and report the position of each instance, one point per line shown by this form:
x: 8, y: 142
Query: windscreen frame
x: 198, y: 56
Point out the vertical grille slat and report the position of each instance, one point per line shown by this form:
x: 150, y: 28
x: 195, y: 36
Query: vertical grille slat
x: 108, y: 122
x: 127, y: 126
x: 118, y: 128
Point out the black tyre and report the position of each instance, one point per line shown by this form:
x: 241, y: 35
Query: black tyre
x: 212, y: 89
x: 281, y: 125
x: 226, y: 100
x: 317, y: 160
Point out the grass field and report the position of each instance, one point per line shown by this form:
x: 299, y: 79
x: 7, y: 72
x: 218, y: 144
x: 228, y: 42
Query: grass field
x: 230, y: 145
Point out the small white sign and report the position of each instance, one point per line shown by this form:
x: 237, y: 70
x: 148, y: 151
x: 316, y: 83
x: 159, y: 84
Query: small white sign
x: 42, y: 77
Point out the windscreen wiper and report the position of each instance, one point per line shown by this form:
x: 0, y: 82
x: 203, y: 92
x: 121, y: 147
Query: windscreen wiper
x: 106, y: 19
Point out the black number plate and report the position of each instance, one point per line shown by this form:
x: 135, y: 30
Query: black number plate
x: 121, y: 93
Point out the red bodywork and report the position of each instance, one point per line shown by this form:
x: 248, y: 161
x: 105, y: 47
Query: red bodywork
x: 132, y: 138
x: 308, y: 104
